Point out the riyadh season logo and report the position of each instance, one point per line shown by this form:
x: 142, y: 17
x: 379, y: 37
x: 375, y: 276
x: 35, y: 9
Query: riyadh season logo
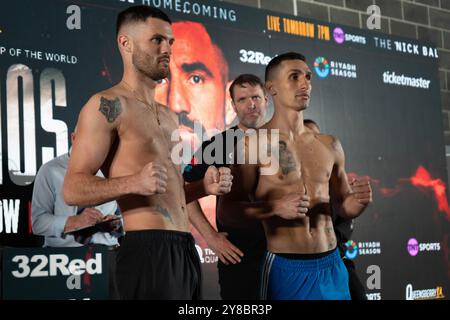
x: 414, y: 247
x: 322, y: 67
x: 424, y: 294
x: 340, y: 69
x: 361, y: 248
x: 352, y: 250
x: 340, y: 37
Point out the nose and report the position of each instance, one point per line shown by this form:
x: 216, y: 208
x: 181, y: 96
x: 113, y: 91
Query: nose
x: 252, y: 104
x: 305, y: 83
x: 178, y: 100
x: 166, y: 48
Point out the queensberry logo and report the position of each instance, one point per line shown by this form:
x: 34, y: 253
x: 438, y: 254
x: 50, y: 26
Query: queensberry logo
x: 322, y: 67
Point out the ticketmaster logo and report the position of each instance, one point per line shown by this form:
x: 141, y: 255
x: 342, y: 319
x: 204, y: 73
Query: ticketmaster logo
x: 405, y: 81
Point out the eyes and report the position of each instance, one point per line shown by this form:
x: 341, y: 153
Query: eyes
x: 254, y: 98
x: 157, y: 40
x: 296, y: 76
x: 162, y: 81
x: 196, y: 79
x: 193, y: 79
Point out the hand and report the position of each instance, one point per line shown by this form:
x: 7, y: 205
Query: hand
x: 360, y: 196
x: 88, y: 217
x: 217, y: 181
x: 361, y: 190
x: 224, y: 249
x: 292, y: 206
x: 109, y: 226
x: 152, y: 179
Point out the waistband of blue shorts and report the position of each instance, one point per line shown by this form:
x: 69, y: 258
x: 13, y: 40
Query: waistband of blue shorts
x: 309, y: 265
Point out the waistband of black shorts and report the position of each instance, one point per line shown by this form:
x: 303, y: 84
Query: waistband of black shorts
x: 158, y: 235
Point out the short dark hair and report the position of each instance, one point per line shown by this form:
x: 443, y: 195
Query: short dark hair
x: 251, y: 79
x: 275, y: 62
x: 139, y: 14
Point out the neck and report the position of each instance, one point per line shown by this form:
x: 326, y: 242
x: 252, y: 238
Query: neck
x: 142, y: 85
x: 242, y: 127
x: 288, y: 120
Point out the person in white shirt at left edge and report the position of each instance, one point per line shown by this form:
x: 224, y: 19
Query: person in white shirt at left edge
x: 52, y: 217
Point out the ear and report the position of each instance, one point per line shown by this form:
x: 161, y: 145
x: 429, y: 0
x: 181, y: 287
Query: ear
x: 270, y: 87
x: 124, y: 43
x: 233, y: 105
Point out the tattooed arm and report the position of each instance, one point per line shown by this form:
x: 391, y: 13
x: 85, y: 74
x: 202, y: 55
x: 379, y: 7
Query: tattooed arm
x: 96, y: 131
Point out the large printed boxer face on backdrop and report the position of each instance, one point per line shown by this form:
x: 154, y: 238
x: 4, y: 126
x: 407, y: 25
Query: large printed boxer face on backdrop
x: 196, y: 86
x: 196, y: 90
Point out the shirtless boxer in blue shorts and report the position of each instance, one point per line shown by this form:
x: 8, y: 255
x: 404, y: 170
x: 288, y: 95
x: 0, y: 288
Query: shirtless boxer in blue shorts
x: 302, y: 261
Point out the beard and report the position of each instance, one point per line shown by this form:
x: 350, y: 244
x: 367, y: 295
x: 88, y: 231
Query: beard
x: 149, y: 66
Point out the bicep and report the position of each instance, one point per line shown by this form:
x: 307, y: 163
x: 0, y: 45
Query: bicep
x: 96, y: 128
x: 339, y: 185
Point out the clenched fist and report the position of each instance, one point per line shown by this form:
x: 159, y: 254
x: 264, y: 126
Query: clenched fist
x: 152, y: 179
x: 217, y: 181
x: 359, y: 197
x: 362, y: 190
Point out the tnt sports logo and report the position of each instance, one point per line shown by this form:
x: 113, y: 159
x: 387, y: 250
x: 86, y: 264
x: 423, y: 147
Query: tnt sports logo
x: 340, y: 37
x: 352, y: 250
x: 322, y: 67
x: 414, y: 247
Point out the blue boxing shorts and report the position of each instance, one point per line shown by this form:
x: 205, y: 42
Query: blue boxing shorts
x: 320, y: 276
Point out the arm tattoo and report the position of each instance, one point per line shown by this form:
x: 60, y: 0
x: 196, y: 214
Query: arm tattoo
x: 164, y: 212
x: 287, y: 161
x: 111, y: 109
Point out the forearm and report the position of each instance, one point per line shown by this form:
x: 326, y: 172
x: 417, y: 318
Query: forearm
x: 236, y: 211
x: 199, y: 220
x: 350, y: 209
x: 86, y: 190
x: 194, y: 190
